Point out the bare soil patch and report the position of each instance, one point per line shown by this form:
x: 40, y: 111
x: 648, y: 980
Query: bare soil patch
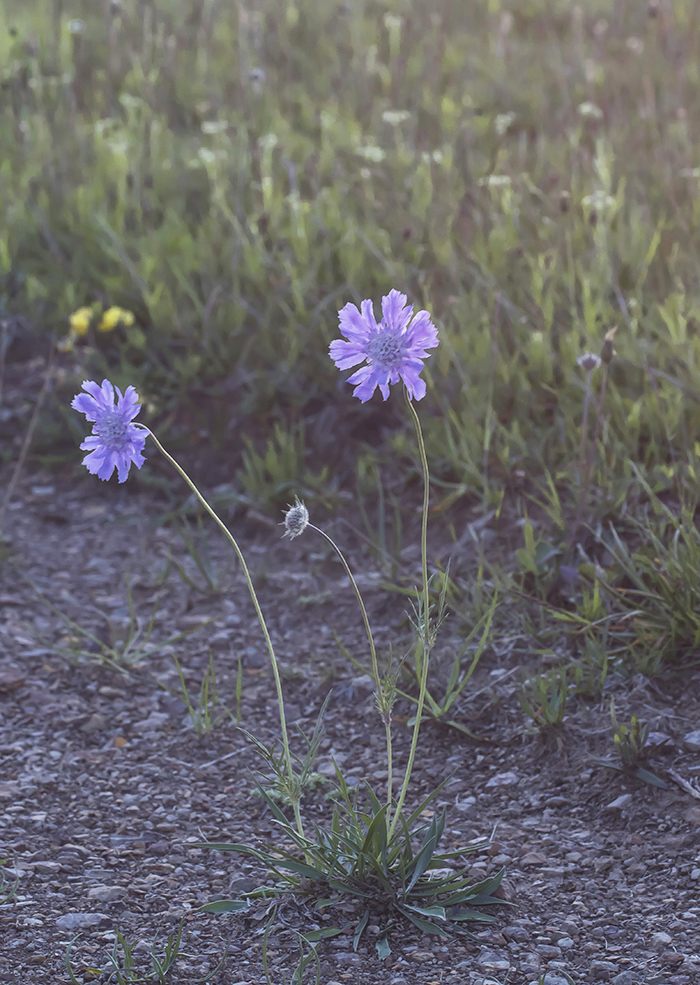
x: 104, y: 785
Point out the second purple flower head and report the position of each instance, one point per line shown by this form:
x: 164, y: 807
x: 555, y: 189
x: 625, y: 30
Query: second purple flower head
x: 393, y: 349
x: 115, y: 442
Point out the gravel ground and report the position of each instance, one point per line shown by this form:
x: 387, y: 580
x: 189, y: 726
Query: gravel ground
x: 105, y: 787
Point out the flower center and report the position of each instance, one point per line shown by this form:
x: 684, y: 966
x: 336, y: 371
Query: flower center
x: 113, y: 430
x: 386, y: 349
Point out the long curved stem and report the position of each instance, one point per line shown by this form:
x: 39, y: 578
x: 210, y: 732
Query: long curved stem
x: 425, y: 641
x: 261, y: 620
x: 383, y: 710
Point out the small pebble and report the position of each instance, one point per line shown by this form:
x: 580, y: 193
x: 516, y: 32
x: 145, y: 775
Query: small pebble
x: 691, y: 740
x: 626, y: 978
x: 106, y: 894
x: 548, y: 951
x: 493, y: 961
x: 602, y: 970
x: 503, y: 780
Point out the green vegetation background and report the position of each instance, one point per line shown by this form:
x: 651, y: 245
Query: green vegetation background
x: 529, y: 171
x: 234, y: 173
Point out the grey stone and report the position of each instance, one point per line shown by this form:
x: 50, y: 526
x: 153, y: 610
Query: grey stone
x: 47, y: 868
x: 509, y: 779
x: 79, y: 921
x: 555, y: 872
x: 156, y: 720
x: 621, y: 802
x: 691, y: 740
x: 493, y: 961
x: 548, y: 951
x: 626, y: 978
x: 106, y: 894
x: 602, y: 970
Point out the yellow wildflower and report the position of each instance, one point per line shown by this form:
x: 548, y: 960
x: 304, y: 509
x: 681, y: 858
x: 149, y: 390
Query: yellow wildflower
x: 113, y: 317
x: 80, y: 321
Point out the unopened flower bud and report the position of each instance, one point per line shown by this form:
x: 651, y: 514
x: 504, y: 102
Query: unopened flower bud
x: 588, y: 361
x: 296, y: 519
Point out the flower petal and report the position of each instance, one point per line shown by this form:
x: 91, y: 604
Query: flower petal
x: 89, y: 403
x: 414, y: 384
x: 422, y: 334
x: 130, y: 406
x: 367, y: 382
x: 354, y: 325
x: 395, y: 312
x: 97, y: 463
x: 347, y: 354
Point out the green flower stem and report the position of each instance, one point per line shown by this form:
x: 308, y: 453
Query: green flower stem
x: 386, y: 716
x: 425, y: 641
x: 261, y: 619
x: 584, y: 422
x: 588, y: 453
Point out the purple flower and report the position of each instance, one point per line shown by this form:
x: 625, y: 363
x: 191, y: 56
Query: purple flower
x: 115, y: 442
x: 393, y: 348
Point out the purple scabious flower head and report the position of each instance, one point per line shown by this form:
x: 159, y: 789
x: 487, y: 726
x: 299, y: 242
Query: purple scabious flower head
x: 393, y: 348
x: 115, y: 442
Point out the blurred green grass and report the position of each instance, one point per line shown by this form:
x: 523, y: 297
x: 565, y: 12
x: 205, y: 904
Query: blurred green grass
x: 234, y: 173
x: 529, y: 171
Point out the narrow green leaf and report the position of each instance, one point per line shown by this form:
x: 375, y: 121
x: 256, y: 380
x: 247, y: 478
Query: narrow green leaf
x: 431, y: 796
x: 476, y: 915
x: 477, y: 846
x: 345, y: 888
x: 374, y: 800
x: 422, y: 861
x: 322, y: 934
x: 301, y: 868
x: 359, y: 929
x: 225, y: 906
x: 434, y: 912
x: 321, y: 904
x: 457, y: 898
x: 383, y: 949
x: 487, y: 887
x: 651, y: 778
x: 376, y: 830
x: 425, y: 925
